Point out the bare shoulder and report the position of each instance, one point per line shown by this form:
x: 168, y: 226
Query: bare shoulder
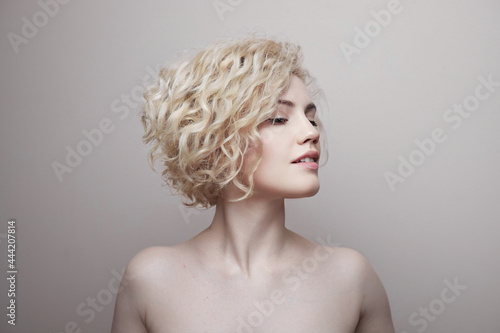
x: 141, y: 282
x: 339, y: 262
x: 352, y: 268
x: 351, y: 263
x: 150, y: 262
x: 156, y: 268
x: 148, y: 267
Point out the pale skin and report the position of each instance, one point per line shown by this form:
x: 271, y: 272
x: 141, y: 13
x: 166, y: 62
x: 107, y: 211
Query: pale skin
x: 247, y: 272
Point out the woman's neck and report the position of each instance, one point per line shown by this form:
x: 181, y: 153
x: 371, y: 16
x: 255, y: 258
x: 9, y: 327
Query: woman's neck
x: 247, y: 236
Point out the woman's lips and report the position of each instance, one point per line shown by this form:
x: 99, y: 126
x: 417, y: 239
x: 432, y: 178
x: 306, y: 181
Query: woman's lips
x: 311, y: 154
x: 309, y: 165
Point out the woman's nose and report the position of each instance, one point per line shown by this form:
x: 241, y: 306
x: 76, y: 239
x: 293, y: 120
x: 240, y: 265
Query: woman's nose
x: 308, y: 132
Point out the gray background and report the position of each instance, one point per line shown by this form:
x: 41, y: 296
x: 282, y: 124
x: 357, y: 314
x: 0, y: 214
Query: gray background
x: 76, y: 232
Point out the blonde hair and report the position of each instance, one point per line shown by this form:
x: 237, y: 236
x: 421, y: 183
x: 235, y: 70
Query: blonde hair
x: 202, y: 115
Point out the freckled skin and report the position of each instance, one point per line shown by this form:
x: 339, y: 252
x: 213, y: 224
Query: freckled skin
x: 247, y: 272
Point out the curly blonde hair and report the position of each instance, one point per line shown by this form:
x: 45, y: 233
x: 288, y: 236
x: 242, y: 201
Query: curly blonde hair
x: 202, y: 115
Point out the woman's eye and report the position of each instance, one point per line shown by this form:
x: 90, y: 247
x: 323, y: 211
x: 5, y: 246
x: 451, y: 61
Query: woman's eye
x: 314, y: 123
x: 277, y: 121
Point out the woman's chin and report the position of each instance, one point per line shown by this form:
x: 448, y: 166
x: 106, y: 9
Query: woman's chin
x: 304, y: 193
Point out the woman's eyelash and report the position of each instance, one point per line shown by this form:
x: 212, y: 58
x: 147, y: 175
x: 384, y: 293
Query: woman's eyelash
x: 281, y: 121
x: 277, y: 121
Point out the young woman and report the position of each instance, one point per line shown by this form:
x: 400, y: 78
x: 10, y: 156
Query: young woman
x: 235, y: 126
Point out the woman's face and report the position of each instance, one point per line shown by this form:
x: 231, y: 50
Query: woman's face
x: 289, y: 137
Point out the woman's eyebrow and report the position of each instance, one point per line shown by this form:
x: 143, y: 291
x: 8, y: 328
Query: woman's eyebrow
x: 310, y: 107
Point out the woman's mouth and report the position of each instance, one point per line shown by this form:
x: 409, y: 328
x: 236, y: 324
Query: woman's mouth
x: 308, y: 162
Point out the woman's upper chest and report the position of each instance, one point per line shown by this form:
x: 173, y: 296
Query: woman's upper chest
x: 288, y: 302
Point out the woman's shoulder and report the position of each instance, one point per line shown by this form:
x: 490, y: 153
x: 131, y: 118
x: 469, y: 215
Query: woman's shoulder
x: 150, y: 256
x: 153, y: 263
x: 349, y: 262
x: 334, y: 255
x: 347, y: 257
x: 352, y: 272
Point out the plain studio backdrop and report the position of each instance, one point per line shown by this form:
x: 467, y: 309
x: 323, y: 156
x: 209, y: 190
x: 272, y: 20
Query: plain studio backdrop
x: 413, y: 96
